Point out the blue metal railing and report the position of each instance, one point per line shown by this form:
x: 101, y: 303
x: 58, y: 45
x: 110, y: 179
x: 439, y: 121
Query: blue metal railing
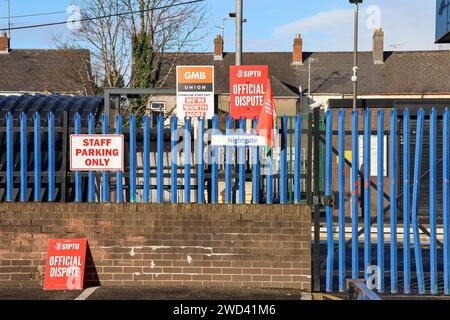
x: 422, y: 275
x: 135, y: 183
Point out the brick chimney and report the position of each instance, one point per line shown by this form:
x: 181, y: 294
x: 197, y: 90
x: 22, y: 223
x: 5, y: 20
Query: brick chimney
x: 378, y: 46
x: 218, y: 48
x: 4, y: 43
x: 298, y: 50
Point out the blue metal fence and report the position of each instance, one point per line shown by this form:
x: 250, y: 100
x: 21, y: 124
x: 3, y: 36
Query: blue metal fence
x: 395, y: 272
x: 231, y: 168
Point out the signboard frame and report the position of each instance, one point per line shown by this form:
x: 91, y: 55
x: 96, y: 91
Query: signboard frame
x: 102, y: 136
x: 208, y: 95
x: 54, y: 249
x: 242, y: 75
x: 219, y: 140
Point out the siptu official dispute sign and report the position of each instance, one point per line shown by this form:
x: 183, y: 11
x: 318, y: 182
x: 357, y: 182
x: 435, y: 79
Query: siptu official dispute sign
x: 99, y: 152
x: 195, y: 92
x: 64, y: 269
x: 247, y: 89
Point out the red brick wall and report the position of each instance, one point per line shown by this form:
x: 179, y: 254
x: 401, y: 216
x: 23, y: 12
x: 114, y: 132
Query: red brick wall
x: 163, y: 245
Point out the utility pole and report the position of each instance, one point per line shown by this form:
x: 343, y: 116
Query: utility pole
x: 355, y: 55
x: 239, y: 20
x: 9, y: 19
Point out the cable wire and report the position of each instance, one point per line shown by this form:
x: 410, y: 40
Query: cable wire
x: 100, y: 17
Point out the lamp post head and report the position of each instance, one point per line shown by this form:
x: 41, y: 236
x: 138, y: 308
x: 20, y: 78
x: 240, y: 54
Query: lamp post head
x: 356, y: 1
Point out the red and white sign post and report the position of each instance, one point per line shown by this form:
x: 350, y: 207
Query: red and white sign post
x: 247, y: 89
x: 66, y: 260
x: 96, y: 152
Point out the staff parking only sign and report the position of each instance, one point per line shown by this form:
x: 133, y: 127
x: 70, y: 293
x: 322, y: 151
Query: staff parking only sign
x: 195, y: 92
x: 247, y: 89
x: 64, y: 269
x: 96, y: 152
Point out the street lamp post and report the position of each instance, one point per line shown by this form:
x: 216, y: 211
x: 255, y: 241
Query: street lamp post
x: 238, y: 15
x: 355, y: 54
x: 239, y: 32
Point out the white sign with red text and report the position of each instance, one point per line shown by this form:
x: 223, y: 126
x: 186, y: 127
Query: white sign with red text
x: 99, y: 152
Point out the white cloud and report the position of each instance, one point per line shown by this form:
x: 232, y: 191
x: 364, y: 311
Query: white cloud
x: 319, y: 22
x: 410, y: 25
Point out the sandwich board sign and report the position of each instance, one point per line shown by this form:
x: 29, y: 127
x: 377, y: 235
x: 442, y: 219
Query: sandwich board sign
x: 96, y: 152
x: 64, y: 269
x: 247, y: 89
x: 195, y: 92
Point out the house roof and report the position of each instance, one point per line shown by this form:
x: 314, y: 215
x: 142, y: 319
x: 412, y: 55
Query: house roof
x: 403, y: 72
x: 35, y: 70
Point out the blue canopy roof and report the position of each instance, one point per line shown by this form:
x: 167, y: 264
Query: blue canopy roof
x: 44, y: 104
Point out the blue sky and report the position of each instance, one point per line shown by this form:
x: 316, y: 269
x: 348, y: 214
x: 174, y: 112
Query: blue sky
x: 325, y: 25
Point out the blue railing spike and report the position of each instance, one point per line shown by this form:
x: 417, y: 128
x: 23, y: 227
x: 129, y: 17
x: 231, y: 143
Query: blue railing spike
x: 132, y: 158
x: 228, y: 164
x: 146, y: 158
x: 256, y: 169
x: 160, y: 162
x: 406, y: 203
x: 215, y: 165
x: 380, y: 200
x: 354, y: 195
x: 200, y: 161
x: 241, y: 165
x: 367, y: 196
x: 433, y: 226
x: 9, y: 157
x: 341, y: 188
x: 51, y: 156
x: 174, y: 160
x: 37, y: 157
x: 23, y: 157
x: 119, y: 174
x: 187, y: 160
x: 91, y: 175
x: 78, y: 182
x: 393, y: 202
x: 415, y: 202
x: 105, y: 174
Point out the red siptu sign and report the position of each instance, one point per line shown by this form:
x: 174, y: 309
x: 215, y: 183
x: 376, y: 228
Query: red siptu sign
x: 64, y: 269
x: 247, y: 89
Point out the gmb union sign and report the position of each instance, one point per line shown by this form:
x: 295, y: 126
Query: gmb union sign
x: 96, y: 152
x: 195, y: 91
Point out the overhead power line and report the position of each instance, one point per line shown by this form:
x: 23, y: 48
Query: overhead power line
x: 34, y: 15
x: 99, y: 17
x: 40, y: 14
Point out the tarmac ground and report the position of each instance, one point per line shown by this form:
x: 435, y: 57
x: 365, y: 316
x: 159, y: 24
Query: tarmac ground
x: 113, y: 293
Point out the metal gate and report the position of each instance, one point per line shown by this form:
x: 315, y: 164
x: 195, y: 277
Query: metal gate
x: 385, y: 205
